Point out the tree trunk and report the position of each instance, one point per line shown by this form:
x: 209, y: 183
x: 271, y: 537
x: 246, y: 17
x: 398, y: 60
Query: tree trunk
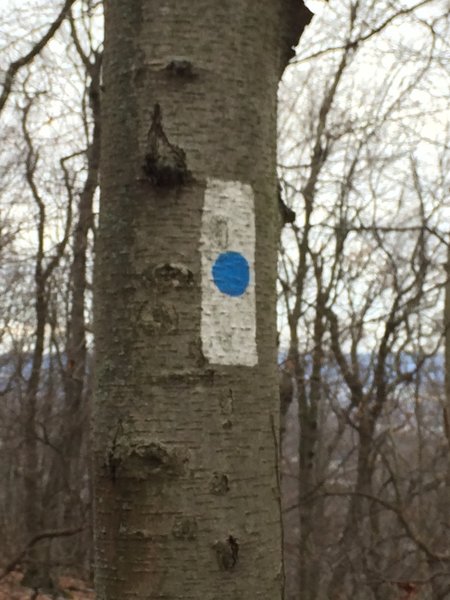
x: 75, y: 433
x: 309, y: 406
x: 446, y: 415
x: 356, y: 534
x: 186, y: 415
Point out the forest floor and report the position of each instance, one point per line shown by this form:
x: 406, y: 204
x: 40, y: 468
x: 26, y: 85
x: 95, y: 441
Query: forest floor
x: 71, y: 589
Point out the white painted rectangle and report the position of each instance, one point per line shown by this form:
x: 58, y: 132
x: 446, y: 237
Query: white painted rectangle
x: 228, y: 318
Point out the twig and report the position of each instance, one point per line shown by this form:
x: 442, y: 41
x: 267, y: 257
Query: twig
x: 15, y: 66
x: 50, y: 534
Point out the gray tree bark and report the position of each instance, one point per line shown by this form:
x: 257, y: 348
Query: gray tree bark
x: 186, y: 448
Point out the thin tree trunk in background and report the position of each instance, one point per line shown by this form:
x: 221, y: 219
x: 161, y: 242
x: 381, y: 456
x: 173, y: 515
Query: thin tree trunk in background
x: 309, y: 406
x: 447, y: 350
x: 439, y: 586
x: 186, y: 416
x: 36, y: 574
x: 37, y: 571
x: 75, y: 427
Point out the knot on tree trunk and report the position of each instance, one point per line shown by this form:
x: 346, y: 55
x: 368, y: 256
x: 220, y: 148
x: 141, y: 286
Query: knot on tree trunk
x: 142, y: 460
x: 165, y: 163
x: 227, y: 552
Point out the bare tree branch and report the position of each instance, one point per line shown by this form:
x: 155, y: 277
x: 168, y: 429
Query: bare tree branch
x: 15, y: 66
x: 51, y: 534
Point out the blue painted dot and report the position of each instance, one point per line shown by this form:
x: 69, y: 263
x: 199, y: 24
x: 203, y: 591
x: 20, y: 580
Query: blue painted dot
x: 231, y: 273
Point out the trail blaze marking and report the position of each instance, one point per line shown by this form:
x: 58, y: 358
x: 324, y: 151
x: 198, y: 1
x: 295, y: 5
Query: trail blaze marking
x: 228, y: 320
x: 231, y: 273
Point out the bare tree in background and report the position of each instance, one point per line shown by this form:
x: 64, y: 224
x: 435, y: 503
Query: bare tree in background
x: 50, y: 117
x: 360, y: 272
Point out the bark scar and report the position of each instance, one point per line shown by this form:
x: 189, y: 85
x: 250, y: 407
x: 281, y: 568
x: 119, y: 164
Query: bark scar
x: 227, y: 553
x: 174, y: 275
x: 181, y: 67
x: 112, y: 460
x: 164, y: 163
x: 185, y: 528
x: 142, y: 460
x: 219, y: 484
